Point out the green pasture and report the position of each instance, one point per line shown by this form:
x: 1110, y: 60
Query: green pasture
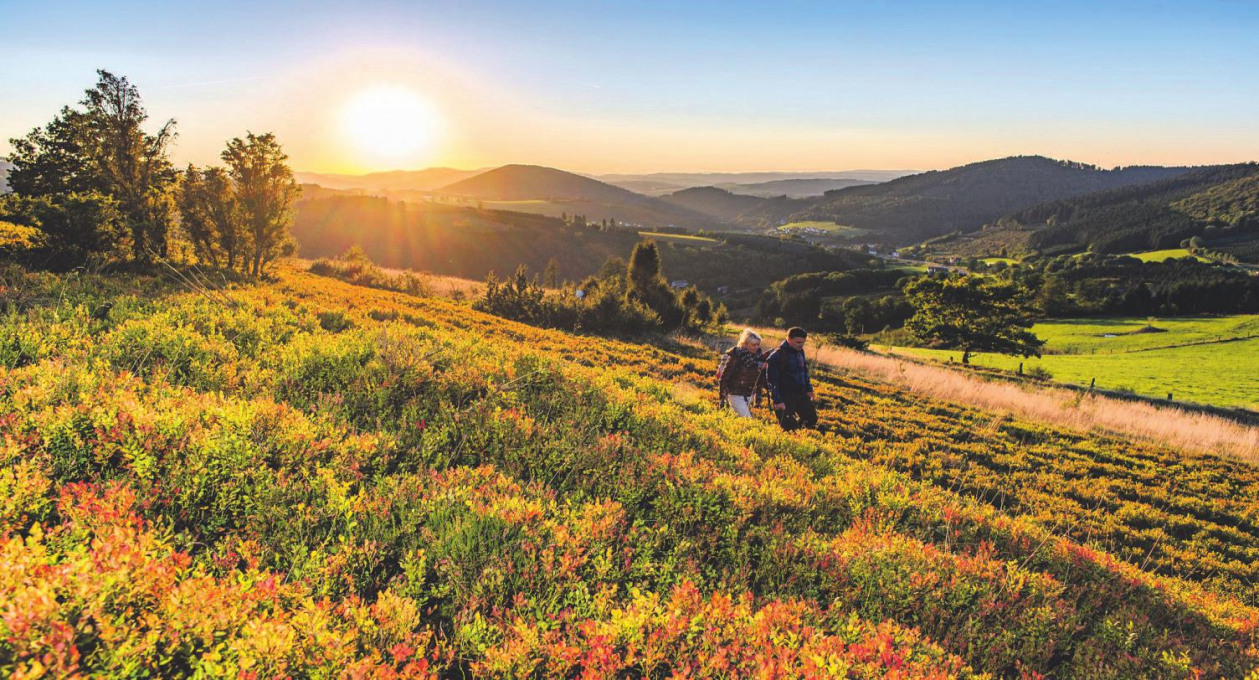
x: 1209, y: 360
x: 685, y: 238
x: 1161, y: 255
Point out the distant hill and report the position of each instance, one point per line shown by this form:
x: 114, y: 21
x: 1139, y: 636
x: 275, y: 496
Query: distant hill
x: 965, y: 198
x: 717, y: 203
x: 661, y: 183
x: 794, y: 188
x: 529, y: 182
x: 1219, y: 205
x: 534, y: 188
x: 397, y: 180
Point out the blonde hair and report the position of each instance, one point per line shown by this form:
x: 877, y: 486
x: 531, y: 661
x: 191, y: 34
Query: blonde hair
x: 747, y: 335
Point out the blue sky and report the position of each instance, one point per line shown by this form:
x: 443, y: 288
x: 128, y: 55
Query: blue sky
x: 605, y: 87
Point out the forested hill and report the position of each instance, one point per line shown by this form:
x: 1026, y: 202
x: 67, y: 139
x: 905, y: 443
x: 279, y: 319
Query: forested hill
x: 1219, y: 205
x: 718, y: 203
x: 964, y: 198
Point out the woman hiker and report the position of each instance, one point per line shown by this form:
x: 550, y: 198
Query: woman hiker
x: 742, y: 373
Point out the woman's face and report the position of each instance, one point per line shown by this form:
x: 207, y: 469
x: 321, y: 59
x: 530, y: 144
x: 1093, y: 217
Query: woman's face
x: 753, y: 346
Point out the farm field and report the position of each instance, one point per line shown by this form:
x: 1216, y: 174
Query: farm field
x: 1208, y: 360
x: 306, y: 477
x: 1160, y: 255
x: 688, y: 239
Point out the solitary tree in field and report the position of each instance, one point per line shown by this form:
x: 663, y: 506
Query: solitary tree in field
x: 265, y: 191
x: 973, y: 313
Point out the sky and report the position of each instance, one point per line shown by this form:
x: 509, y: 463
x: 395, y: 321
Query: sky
x: 645, y: 86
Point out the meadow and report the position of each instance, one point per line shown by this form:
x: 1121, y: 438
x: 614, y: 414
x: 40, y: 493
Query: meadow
x: 1167, y: 254
x: 1207, y: 360
x: 689, y: 239
x: 305, y: 477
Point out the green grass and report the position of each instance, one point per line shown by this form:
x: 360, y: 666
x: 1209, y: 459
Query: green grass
x: 1188, y: 360
x: 829, y: 227
x: 660, y: 236
x: 1161, y: 255
x: 994, y: 260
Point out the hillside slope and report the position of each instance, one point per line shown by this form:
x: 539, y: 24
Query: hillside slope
x: 305, y: 477
x: 1219, y: 205
x: 965, y: 198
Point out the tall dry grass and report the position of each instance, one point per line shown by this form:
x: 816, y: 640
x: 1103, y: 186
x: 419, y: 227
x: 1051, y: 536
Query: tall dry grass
x: 1068, y: 408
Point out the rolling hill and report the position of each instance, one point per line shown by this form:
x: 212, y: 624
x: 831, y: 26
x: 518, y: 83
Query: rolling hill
x: 963, y: 199
x: 533, y: 188
x: 659, y: 183
x: 794, y: 188
x: 1219, y: 205
x: 528, y: 182
x: 304, y: 478
x: 718, y: 203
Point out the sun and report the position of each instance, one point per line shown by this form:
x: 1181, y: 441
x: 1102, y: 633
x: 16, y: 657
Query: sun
x: 390, y: 124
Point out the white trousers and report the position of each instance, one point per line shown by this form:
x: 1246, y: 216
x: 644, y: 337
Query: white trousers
x: 741, y: 405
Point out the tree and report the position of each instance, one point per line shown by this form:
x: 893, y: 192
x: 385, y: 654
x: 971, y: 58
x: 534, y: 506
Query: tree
x: 103, y: 147
x: 265, y: 191
x: 53, y: 159
x: 72, y: 227
x: 551, y: 275
x: 132, y: 164
x: 645, y: 284
x: 974, y: 313
x: 211, y: 216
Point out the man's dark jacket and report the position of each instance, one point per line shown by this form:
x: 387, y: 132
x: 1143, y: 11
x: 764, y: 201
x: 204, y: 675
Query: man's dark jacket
x: 787, y: 372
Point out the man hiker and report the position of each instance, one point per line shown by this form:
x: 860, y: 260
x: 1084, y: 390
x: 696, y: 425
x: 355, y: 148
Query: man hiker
x: 789, y: 385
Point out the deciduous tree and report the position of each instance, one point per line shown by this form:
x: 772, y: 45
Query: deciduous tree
x: 265, y: 191
x: 973, y: 313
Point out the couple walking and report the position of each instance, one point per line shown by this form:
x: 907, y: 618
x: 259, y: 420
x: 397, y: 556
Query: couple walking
x: 745, y: 369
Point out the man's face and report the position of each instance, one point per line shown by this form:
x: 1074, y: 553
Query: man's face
x: 796, y: 343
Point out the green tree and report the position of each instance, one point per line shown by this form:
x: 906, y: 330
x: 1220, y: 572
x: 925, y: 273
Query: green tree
x: 265, y: 191
x: 973, y: 313
x: 645, y: 284
x: 133, y: 165
x: 103, y: 147
x: 53, y: 159
x: 551, y: 275
x: 72, y: 227
x: 211, y: 217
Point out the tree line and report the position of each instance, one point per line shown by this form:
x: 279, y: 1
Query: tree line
x: 619, y: 299
x: 94, y: 185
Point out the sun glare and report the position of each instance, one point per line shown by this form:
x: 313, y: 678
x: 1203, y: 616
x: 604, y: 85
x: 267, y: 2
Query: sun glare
x: 390, y: 123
